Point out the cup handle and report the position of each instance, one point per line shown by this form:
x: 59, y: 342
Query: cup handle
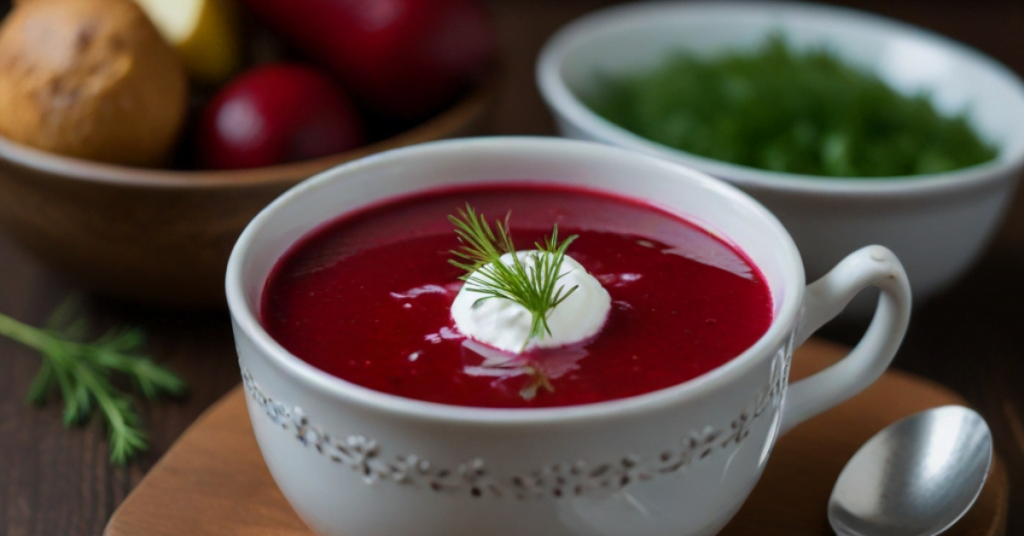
x: 826, y: 298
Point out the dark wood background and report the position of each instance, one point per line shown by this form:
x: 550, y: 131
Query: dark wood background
x: 58, y: 481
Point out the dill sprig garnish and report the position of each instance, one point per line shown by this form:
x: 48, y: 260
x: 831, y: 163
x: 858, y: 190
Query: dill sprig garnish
x: 81, y: 372
x: 535, y: 287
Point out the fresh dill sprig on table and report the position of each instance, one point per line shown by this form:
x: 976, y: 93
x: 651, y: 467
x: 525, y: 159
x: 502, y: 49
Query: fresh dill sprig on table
x: 82, y: 373
x: 535, y: 287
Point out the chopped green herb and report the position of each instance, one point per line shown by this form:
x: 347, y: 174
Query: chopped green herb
x: 783, y: 110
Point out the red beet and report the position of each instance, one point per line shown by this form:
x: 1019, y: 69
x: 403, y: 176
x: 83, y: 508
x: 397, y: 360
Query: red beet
x: 400, y: 57
x: 276, y: 114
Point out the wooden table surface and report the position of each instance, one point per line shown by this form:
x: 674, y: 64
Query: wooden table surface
x: 58, y: 481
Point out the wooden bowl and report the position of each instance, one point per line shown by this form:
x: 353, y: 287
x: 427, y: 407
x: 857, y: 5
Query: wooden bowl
x: 163, y: 236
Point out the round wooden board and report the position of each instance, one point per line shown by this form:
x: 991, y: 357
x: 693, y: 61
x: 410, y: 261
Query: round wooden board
x: 213, y: 480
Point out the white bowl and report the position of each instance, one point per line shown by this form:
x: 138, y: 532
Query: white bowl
x: 937, y: 224
x: 678, y: 461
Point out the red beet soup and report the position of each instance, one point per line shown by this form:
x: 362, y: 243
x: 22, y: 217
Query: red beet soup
x: 368, y: 297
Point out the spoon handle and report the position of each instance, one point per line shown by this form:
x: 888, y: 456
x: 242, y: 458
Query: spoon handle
x: 826, y: 298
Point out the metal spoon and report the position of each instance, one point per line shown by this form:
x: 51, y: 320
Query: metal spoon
x: 916, y: 477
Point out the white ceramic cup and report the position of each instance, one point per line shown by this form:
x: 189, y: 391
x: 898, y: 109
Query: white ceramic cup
x: 676, y: 461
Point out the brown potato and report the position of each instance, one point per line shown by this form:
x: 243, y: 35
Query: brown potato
x: 91, y: 79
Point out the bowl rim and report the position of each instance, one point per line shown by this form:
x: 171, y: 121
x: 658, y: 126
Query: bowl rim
x: 247, y: 322
x: 565, y: 104
x: 471, y: 106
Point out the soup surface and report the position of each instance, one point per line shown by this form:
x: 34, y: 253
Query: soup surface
x: 367, y: 298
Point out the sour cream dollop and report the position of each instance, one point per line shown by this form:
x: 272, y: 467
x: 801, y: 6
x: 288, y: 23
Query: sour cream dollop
x: 505, y: 324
